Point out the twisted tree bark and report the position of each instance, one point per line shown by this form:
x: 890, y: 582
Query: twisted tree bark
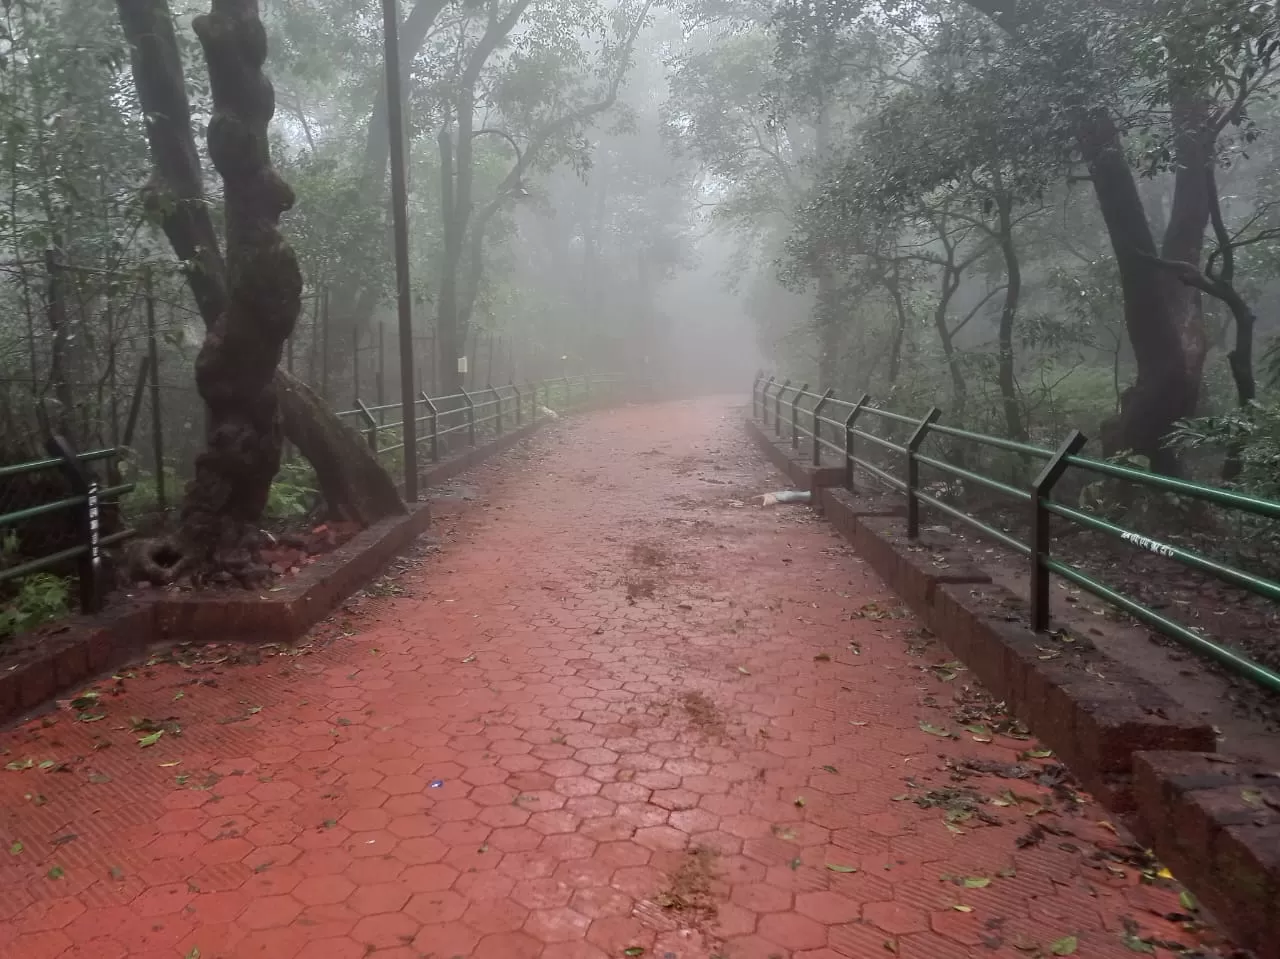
x: 249, y: 302
x: 243, y: 344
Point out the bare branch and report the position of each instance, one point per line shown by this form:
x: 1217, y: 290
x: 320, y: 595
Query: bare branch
x: 978, y: 308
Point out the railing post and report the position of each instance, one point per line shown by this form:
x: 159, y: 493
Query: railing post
x: 795, y: 416
x: 848, y: 439
x: 777, y: 408
x: 371, y: 425
x: 497, y: 399
x: 82, y: 483
x: 471, y: 416
x: 755, y: 403
x: 817, y: 413
x: 913, y: 472
x: 1041, y: 489
x: 764, y: 400
x: 519, y: 405
x: 433, y: 417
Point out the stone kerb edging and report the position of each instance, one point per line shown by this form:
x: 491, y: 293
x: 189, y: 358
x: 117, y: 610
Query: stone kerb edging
x: 1215, y: 821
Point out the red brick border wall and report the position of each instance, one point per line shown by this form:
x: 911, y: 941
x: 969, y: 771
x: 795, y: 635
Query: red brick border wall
x: 1216, y: 822
x: 81, y: 647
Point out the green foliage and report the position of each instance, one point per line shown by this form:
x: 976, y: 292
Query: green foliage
x: 1254, y: 431
x: 41, y: 598
x: 1252, y: 434
x: 145, y: 496
x: 294, y: 493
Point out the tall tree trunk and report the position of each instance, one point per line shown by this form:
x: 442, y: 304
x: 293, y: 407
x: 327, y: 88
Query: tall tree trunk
x: 1163, y: 318
x: 449, y: 337
x: 250, y: 303
x: 1014, y: 426
x: 959, y: 388
x: 457, y: 178
x: 243, y: 346
x: 900, y: 331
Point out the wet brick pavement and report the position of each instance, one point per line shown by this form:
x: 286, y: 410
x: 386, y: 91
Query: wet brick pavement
x: 621, y: 712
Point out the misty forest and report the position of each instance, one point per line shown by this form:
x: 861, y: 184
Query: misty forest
x: 1036, y: 217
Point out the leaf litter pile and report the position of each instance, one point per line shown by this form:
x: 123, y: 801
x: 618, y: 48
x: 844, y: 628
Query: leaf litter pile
x: 1039, y: 794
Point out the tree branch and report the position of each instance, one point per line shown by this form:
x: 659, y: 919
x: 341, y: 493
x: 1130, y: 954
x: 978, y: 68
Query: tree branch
x: 175, y: 193
x: 977, y: 309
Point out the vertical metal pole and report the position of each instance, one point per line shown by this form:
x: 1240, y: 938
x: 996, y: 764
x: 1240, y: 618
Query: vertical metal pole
x: 370, y: 424
x: 400, y: 218
x: 764, y: 400
x: 433, y: 418
x: 755, y: 399
x: 519, y: 404
x: 355, y: 364
x: 795, y: 416
x: 858, y: 407
x: 497, y: 399
x: 777, y: 408
x: 1041, y: 489
x: 471, y: 417
x: 83, y: 484
x: 817, y: 418
x: 157, y: 411
x: 913, y: 471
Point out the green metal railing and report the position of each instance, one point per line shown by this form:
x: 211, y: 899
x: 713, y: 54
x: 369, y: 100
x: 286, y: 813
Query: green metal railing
x: 85, y: 501
x: 476, y: 413
x: 823, y: 422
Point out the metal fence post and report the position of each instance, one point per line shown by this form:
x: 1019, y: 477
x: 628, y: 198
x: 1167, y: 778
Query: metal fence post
x: 83, y: 484
x: 848, y: 439
x: 519, y: 404
x: 795, y: 416
x: 471, y: 416
x: 371, y: 425
x: 777, y: 408
x: 764, y: 400
x: 913, y: 472
x: 1041, y: 489
x: 755, y: 403
x: 817, y: 413
x: 433, y: 417
x: 497, y: 398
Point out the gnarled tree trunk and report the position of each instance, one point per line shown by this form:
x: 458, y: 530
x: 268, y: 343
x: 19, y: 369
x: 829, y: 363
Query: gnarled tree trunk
x: 243, y: 344
x: 249, y: 302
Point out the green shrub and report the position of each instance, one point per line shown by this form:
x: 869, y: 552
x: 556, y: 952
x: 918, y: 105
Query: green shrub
x: 294, y: 493
x: 41, y: 598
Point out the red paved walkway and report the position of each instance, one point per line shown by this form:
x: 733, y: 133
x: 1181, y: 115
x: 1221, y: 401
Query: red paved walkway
x: 619, y: 714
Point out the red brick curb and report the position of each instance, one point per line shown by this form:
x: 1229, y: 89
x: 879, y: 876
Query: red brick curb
x: 81, y: 647
x: 1217, y: 822
x: 1129, y: 743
